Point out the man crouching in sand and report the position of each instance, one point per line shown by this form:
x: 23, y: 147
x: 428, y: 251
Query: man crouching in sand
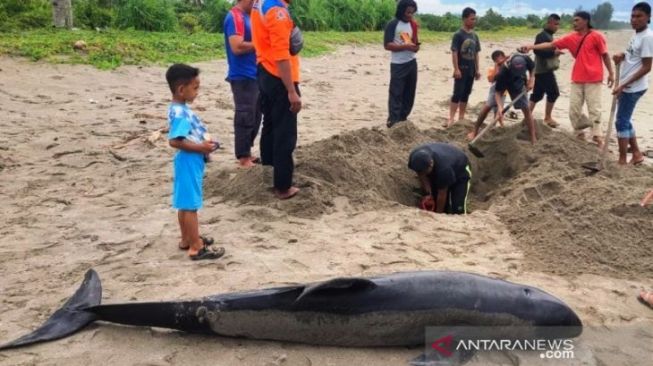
x: 444, y: 174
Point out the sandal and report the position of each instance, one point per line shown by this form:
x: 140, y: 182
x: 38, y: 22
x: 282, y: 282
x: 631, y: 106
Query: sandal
x: 206, y: 240
x: 205, y: 253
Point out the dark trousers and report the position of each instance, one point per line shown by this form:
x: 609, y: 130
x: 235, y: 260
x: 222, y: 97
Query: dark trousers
x: 403, y: 82
x: 247, y: 119
x: 279, y: 133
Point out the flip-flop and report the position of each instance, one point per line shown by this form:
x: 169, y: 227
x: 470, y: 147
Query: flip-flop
x: 256, y: 160
x: 644, y: 302
x: 205, y: 253
x: 206, y: 240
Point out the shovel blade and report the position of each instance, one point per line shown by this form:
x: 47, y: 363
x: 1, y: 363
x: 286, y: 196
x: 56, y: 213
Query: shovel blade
x: 593, y: 167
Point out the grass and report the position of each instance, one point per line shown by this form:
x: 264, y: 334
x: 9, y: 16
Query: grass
x: 110, y: 49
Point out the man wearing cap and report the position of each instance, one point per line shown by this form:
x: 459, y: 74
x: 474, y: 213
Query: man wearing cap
x: 512, y: 78
x: 444, y: 174
x: 589, y: 49
x: 278, y: 80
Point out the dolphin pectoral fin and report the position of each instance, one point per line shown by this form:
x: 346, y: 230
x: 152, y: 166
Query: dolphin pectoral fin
x: 337, y: 285
x: 70, y: 318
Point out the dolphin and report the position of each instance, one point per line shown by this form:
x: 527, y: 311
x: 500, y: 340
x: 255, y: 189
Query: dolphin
x: 391, y: 310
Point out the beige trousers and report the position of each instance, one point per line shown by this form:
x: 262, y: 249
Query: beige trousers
x: 581, y: 94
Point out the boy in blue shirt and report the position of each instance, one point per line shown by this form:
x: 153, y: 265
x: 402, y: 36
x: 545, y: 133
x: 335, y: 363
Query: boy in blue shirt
x: 190, y: 137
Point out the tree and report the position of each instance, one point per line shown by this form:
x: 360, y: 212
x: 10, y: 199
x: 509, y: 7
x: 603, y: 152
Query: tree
x: 62, y: 13
x: 602, y: 15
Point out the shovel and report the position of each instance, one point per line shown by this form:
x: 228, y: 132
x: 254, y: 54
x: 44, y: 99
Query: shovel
x: 475, y: 149
x: 596, y: 166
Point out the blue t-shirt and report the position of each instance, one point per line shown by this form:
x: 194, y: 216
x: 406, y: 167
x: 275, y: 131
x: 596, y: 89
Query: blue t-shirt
x: 241, y: 67
x: 188, y: 166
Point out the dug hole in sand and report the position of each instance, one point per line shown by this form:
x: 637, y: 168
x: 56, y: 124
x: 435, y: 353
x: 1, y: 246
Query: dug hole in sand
x: 565, y: 221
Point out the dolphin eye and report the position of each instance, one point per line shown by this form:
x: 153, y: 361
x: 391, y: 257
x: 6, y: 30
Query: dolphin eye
x: 527, y: 292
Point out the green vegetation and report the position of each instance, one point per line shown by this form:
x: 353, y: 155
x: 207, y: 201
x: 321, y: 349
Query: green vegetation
x: 110, y: 49
x: 130, y: 32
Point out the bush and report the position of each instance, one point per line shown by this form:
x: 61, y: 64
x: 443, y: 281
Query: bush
x: 212, y: 18
x: 190, y: 23
x: 148, y: 15
x: 24, y: 14
x: 92, y: 14
x: 342, y: 15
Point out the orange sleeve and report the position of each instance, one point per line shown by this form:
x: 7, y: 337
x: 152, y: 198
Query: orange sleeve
x: 279, y: 27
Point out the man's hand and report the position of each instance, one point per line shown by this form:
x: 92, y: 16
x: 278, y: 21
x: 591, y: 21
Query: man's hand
x: 531, y: 84
x: 457, y: 74
x: 558, y: 52
x: 525, y: 49
x: 618, y: 90
x: 610, y: 80
x: 295, y: 102
x: 618, y: 58
x: 477, y: 76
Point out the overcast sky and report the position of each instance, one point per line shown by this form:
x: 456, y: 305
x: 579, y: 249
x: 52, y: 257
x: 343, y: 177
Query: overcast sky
x: 523, y: 7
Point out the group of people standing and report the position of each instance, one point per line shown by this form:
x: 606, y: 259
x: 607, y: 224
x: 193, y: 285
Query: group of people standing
x: 262, y: 44
x: 516, y: 75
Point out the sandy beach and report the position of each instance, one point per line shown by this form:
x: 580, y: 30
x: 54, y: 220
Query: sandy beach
x: 85, y: 182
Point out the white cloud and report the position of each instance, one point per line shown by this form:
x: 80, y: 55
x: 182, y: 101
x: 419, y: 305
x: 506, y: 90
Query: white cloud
x: 512, y: 8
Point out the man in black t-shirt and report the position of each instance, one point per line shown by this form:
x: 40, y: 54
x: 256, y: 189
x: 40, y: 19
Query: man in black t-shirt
x: 444, y: 174
x: 546, y: 62
x: 465, y: 47
x: 512, y: 78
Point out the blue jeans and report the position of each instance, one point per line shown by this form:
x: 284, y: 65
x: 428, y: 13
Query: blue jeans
x: 624, y: 123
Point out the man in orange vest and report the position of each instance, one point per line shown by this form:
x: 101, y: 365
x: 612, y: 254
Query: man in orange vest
x: 278, y: 80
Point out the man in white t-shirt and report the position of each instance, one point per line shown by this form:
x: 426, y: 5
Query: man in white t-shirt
x: 400, y: 38
x: 635, y: 64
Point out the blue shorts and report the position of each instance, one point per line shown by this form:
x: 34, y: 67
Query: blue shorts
x: 187, y: 181
x: 624, y: 121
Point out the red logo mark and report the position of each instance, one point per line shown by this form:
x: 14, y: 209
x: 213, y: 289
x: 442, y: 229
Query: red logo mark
x: 443, y: 345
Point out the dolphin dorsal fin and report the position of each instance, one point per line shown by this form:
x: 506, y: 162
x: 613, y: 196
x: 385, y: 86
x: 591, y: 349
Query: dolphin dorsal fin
x: 345, y: 284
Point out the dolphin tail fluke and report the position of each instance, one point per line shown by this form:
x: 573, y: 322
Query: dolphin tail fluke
x: 70, y: 318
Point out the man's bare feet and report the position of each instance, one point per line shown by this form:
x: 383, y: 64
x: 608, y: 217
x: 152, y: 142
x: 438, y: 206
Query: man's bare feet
x: 551, y: 123
x: 245, y: 162
x: 637, y: 159
x: 646, y: 298
x: 598, y: 141
x: 580, y: 136
x: 471, y: 135
x: 289, y: 193
x: 447, y: 124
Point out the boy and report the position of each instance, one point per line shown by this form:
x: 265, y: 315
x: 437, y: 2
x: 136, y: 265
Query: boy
x: 499, y: 59
x: 465, y: 47
x: 635, y: 65
x: 190, y: 137
x: 401, y: 39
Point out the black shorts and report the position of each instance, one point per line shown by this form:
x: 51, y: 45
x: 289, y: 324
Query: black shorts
x: 545, y: 84
x: 462, y: 87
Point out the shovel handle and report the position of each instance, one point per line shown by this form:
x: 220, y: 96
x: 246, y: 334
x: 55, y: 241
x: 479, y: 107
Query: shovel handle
x: 496, y: 119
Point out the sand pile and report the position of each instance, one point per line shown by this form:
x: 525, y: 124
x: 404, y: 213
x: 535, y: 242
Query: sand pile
x: 566, y: 221
x: 368, y: 166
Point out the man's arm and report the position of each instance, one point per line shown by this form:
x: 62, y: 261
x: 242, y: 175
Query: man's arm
x: 239, y: 46
x: 645, y: 69
x: 541, y: 38
x: 425, y: 182
x: 478, y: 71
x: 608, y: 65
x: 441, y: 200
x: 285, y: 73
x: 456, y: 71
